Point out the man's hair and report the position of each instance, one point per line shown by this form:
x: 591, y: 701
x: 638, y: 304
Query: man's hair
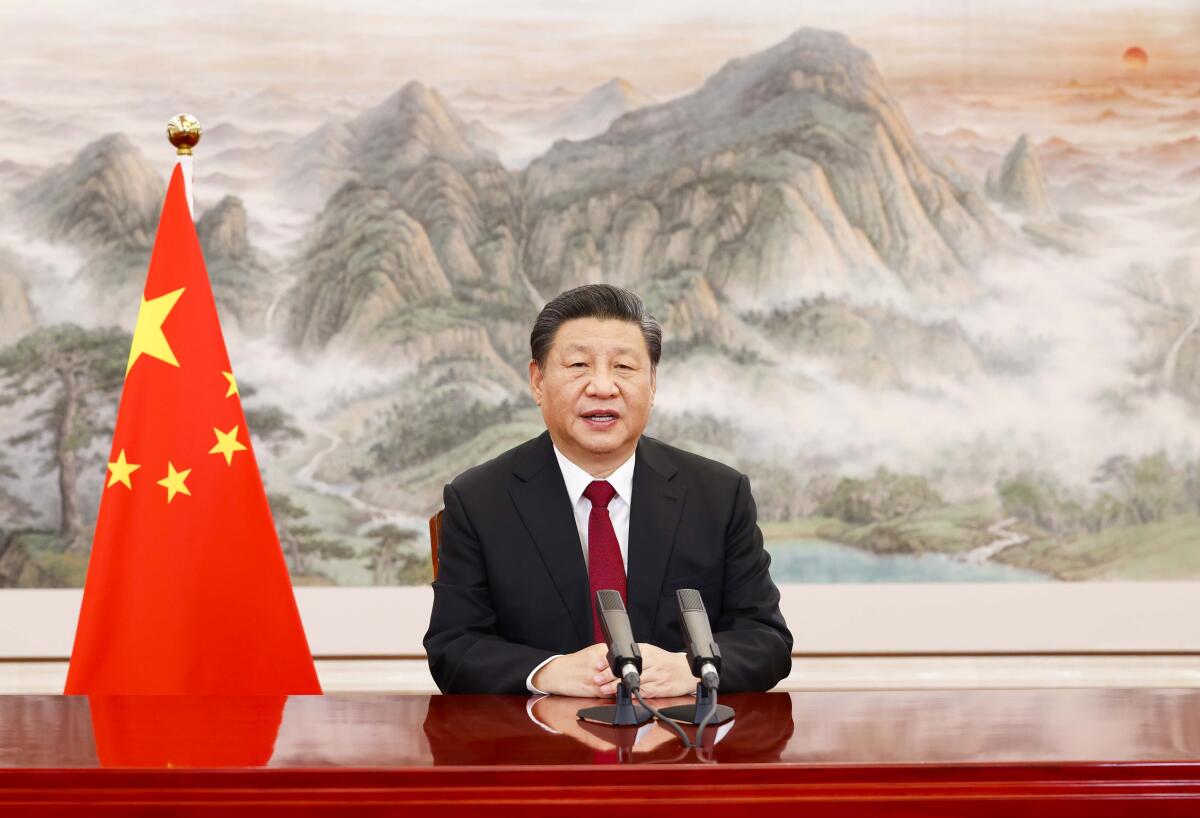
x: 602, y: 301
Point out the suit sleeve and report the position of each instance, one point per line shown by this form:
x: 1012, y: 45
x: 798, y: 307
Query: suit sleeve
x: 466, y: 654
x: 756, y: 645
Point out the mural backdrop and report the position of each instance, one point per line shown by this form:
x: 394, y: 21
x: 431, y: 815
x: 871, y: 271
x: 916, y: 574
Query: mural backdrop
x: 931, y: 278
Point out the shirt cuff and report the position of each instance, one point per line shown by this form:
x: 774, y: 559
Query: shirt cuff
x: 529, y: 679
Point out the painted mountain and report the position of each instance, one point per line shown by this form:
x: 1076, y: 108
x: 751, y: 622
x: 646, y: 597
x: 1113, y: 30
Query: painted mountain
x: 799, y: 152
x: 592, y: 113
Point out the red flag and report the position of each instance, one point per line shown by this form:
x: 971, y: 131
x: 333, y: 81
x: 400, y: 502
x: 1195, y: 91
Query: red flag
x: 187, y: 591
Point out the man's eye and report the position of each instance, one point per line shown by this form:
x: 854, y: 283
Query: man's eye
x: 577, y: 364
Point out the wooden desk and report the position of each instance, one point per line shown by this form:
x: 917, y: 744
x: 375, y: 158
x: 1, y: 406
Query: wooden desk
x: 894, y: 753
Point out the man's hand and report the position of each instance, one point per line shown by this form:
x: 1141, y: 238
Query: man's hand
x: 583, y: 673
x: 663, y: 674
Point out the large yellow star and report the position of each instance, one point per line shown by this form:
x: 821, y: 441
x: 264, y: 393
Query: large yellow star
x: 120, y: 471
x: 232, y: 390
x: 148, y: 338
x: 227, y: 444
x: 173, y: 482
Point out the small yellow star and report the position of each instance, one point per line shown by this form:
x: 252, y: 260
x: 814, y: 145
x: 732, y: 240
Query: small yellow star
x: 227, y: 444
x: 173, y: 482
x: 121, y: 471
x: 148, y: 338
x: 233, y: 390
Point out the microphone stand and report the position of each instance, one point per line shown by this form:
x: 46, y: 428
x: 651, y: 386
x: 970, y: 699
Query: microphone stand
x: 706, y: 702
x: 624, y: 713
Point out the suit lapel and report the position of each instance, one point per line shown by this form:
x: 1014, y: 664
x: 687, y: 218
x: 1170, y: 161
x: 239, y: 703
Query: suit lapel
x: 653, y: 520
x: 541, y: 499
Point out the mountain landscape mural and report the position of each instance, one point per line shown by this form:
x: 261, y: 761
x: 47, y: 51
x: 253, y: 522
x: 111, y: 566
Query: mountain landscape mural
x: 949, y: 328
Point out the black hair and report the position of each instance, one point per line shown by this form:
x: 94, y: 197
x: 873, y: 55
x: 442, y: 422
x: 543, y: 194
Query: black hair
x: 602, y: 301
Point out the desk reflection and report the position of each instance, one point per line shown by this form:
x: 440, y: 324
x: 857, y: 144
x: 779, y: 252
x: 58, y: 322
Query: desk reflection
x: 479, y: 730
x: 185, y: 731
x: 863, y: 728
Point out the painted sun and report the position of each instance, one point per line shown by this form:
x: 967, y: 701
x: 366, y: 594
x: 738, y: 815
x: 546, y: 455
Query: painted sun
x: 1135, y: 57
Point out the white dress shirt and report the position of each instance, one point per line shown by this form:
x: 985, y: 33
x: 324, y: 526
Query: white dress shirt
x: 577, y: 480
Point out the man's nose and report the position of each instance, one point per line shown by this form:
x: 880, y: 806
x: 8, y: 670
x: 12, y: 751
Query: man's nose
x: 602, y: 384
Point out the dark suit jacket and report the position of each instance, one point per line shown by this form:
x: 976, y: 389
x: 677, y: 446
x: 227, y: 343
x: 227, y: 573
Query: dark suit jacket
x: 512, y: 586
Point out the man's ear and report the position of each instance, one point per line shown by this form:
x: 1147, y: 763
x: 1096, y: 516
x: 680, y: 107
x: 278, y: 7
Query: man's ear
x: 535, y: 382
x: 653, y: 383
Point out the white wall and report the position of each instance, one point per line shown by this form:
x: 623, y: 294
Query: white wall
x: 968, y: 618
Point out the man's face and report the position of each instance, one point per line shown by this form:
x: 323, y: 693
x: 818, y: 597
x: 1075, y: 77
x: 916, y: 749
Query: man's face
x: 595, y: 391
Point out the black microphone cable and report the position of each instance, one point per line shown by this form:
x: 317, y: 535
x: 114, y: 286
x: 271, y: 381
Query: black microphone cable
x: 704, y: 723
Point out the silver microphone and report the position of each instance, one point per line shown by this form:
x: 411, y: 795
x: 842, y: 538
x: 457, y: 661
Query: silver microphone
x: 624, y: 655
x: 703, y: 655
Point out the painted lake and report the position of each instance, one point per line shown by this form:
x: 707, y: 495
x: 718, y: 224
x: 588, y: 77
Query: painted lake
x: 820, y: 561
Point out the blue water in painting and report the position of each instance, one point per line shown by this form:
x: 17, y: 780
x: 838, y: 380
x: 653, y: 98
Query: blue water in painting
x: 809, y: 560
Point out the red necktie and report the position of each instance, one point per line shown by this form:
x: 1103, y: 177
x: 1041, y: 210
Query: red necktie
x: 605, y: 568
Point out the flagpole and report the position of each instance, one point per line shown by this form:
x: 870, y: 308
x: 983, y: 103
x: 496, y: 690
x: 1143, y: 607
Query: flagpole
x: 183, y: 131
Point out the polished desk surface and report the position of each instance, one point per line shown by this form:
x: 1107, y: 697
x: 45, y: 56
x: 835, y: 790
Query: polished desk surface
x: 970, y: 752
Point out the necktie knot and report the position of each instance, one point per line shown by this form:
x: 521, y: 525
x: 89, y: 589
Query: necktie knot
x: 600, y: 492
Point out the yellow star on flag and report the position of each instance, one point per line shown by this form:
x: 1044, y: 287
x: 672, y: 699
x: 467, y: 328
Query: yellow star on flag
x: 120, y: 471
x: 148, y: 338
x: 227, y: 444
x: 173, y: 482
x: 233, y: 390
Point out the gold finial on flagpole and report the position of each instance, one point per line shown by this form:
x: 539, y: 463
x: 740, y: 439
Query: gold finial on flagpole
x: 183, y: 131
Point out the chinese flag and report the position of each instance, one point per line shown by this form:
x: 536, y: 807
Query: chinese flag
x: 187, y: 591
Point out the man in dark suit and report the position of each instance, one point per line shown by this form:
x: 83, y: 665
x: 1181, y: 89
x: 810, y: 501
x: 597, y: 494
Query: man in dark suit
x: 528, y: 538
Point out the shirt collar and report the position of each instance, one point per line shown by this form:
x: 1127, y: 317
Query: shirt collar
x: 578, y: 480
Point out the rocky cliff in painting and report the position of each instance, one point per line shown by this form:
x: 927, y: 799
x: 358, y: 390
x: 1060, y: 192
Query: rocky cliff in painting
x: 243, y: 282
x: 16, y: 313
x: 416, y: 147
x: 424, y: 231
x: 1020, y: 183
x: 107, y: 198
x: 790, y: 173
x: 104, y: 206
x: 367, y: 263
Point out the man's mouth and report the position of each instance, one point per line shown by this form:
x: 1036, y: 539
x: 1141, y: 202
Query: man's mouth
x: 600, y: 418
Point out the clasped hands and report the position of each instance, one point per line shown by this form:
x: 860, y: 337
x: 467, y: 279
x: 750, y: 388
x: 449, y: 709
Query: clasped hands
x: 586, y: 674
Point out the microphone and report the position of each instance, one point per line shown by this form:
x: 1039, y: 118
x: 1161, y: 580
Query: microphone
x: 705, y: 659
x: 624, y: 655
x: 703, y: 654
x: 625, y: 659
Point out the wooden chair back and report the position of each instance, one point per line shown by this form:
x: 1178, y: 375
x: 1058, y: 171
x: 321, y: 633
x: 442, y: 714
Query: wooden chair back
x: 435, y: 538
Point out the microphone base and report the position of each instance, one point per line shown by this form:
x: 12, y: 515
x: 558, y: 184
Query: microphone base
x: 622, y: 714
x: 695, y: 713
x: 690, y: 714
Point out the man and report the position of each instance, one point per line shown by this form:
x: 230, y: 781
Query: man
x: 529, y: 537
